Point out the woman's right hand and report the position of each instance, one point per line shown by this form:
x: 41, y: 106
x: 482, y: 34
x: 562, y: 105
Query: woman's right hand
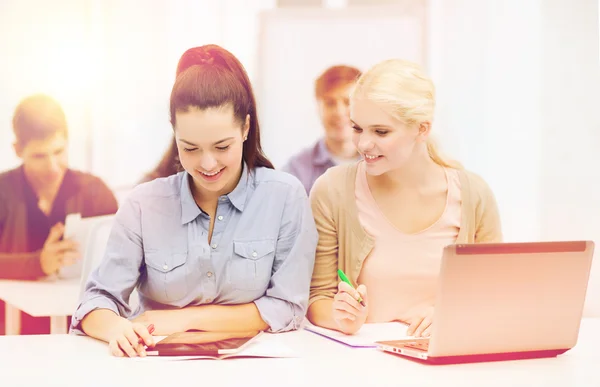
x: 348, y: 313
x: 129, y: 338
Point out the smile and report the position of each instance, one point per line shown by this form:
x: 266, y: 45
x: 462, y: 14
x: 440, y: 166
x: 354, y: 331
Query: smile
x: 371, y: 159
x: 211, y: 174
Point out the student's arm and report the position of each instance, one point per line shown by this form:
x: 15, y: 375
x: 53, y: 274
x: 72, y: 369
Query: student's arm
x: 110, y: 285
x: 283, y: 307
x: 324, y: 279
x: 20, y: 266
x: 36, y: 264
x: 16, y: 265
x: 217, y: 318
x: 488, y: 226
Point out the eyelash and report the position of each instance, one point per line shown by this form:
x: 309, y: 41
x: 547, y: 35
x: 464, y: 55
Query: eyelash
x: 220, y: 148
x: 379, y: 132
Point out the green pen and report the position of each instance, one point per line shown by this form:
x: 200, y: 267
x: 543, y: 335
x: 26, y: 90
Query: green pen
x: 346, y: 280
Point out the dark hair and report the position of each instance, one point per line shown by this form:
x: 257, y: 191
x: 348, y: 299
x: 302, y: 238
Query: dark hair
x: 335, y: 76
x: 168, y: 165
x: 211, y: 77
x: 37, y: 117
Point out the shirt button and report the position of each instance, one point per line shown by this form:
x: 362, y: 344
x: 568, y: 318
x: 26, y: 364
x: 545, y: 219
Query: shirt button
x: 166, y: 267
x: 214, y: 246
x: 209, y: 274
x: 254, y: 254
x: 222, y: 198
x: 220, y: 217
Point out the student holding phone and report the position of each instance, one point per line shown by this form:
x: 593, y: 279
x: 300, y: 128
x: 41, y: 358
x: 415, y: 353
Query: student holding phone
x: 226, y: 245
x: 385, y: 220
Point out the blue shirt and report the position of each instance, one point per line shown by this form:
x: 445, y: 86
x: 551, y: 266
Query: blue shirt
x: 262, y: 250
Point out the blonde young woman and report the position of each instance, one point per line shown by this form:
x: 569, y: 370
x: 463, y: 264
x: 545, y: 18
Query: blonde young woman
x: 386, y: 219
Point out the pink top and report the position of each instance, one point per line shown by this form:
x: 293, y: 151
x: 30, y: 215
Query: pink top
x: 401, y: 271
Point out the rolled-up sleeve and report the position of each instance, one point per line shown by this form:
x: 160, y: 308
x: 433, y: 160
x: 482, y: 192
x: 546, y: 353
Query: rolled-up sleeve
x: 284, y: 304
x: 110, y: 285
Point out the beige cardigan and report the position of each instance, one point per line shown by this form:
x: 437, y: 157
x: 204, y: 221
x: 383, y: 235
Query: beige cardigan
x: 344, y: 244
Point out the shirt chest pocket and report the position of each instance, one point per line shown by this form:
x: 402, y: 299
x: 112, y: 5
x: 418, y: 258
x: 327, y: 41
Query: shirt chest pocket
x: 251, y: 264
x: 166, y: 275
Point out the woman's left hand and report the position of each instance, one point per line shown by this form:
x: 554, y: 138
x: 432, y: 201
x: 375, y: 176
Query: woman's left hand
x: 420, y: 322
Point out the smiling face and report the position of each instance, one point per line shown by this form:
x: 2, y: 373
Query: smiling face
x: 384, y: 142
x: 210, y: 145
x: 334, y: 113
x: 45, y: 161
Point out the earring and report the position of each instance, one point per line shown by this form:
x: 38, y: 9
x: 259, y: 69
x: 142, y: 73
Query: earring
x: 245, y: 138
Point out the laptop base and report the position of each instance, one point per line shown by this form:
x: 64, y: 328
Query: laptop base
x: 461, y: 359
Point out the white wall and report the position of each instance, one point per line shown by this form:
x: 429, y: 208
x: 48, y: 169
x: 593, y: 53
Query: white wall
x: 518, y: 90
x: 43, y: 46
x: 485, y: 63
x: 570, y: 178
x: 112, y: 64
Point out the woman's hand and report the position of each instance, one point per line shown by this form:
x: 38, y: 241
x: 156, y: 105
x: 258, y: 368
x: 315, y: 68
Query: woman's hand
x: 128, y: 338
x: 348, y: 313
x: 420, y: 322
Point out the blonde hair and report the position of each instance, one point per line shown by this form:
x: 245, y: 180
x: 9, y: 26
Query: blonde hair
x: 406, y: 93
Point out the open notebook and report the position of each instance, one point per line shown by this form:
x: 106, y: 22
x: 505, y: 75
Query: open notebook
x: 218, y: 345
x: 366, y: 336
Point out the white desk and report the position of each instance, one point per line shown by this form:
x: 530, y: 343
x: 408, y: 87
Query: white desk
x: 56, y: 299
x: 76, y: 360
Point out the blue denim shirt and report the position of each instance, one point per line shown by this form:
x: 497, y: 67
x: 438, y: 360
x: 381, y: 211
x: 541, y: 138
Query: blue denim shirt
x: 262, y: 250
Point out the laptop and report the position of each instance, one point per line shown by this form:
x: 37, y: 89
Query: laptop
x: 504, y: 301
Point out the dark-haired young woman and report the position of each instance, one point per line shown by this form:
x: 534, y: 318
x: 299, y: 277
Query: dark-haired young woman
x: 226, y: 245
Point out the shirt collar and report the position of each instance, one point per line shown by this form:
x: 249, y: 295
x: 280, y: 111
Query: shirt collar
x: 189, y: 208
x: 237, y: 197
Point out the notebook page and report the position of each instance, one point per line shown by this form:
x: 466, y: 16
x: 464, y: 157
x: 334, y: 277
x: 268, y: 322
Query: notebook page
x: 367, y: 335
x: 268, y: 345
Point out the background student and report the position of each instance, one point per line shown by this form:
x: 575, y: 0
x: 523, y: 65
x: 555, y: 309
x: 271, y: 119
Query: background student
x: 36, y: 197
x: 332, y: 91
